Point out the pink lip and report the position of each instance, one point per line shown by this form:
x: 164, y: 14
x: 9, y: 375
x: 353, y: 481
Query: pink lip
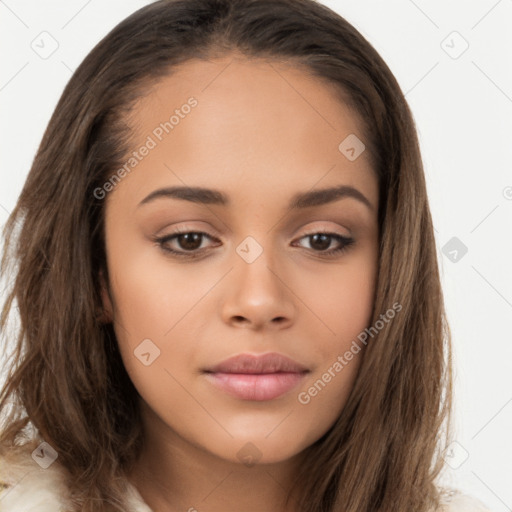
x: 259, y: 378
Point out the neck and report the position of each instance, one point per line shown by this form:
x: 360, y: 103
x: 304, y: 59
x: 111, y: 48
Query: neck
x: 172, y: 475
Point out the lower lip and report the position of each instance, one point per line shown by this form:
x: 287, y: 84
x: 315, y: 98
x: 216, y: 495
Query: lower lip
x: 255, y: 386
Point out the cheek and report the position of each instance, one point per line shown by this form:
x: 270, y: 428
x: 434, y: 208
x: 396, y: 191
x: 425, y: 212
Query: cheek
x: 151, y: 295
x: 154, y: 342
x: 340, y: 304
x: 345, y: 302
x: 159, y: 314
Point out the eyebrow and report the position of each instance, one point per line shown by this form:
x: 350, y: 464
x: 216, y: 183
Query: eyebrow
x: 298, y: 201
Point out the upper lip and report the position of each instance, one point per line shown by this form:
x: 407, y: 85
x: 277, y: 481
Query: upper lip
x: 264, y: 363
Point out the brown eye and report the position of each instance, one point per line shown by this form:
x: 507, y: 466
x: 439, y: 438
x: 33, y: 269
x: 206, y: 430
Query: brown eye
x: 184, y: 243
x: 189, y: 241
x: 320, y: 242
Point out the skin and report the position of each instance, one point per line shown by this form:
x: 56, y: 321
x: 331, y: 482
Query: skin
x: 260, y: 133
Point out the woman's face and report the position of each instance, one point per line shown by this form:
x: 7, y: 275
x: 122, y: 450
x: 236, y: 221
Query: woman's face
x: 246, y: 140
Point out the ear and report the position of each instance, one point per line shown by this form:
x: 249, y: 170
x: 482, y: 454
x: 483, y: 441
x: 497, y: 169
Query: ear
x: 105, y: 315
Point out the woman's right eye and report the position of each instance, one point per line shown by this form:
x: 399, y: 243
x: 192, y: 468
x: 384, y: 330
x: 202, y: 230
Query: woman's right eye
x: 188, y: 242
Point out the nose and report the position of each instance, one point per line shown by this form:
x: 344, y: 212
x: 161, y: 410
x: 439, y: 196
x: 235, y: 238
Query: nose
x: 257, y: 296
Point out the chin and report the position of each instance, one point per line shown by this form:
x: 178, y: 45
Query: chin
x: 257, y: 449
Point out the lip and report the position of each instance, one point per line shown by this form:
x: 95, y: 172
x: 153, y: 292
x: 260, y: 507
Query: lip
x: 256, y: 377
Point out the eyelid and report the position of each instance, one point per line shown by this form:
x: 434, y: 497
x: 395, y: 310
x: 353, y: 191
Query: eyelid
x: 326, y: 230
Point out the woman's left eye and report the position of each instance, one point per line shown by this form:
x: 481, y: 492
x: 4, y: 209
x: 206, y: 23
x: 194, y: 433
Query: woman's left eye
x: 190, y: 243
x: 323, y: 241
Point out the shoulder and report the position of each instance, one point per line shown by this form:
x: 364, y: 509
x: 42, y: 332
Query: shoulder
x: 455, y: 501
x: 26, y: 486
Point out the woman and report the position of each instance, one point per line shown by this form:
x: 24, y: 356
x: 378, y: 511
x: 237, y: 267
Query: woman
x: 226, y: 277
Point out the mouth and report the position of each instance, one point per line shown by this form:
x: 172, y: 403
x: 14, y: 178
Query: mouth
x: 256, y: 377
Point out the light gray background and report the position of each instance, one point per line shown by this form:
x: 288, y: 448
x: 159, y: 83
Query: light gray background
x: 462, y: 103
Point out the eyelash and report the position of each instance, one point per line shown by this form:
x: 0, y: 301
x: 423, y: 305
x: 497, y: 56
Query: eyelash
x: 197, y: 253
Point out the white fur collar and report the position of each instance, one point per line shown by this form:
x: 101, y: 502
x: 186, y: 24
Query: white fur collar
x: 25, y: 487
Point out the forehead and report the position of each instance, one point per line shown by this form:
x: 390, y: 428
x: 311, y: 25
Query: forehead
x: 258, y: 121
x: 245, y: 90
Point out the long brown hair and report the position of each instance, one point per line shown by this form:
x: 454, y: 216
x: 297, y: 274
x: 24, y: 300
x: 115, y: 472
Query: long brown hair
x: 66, y: 378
